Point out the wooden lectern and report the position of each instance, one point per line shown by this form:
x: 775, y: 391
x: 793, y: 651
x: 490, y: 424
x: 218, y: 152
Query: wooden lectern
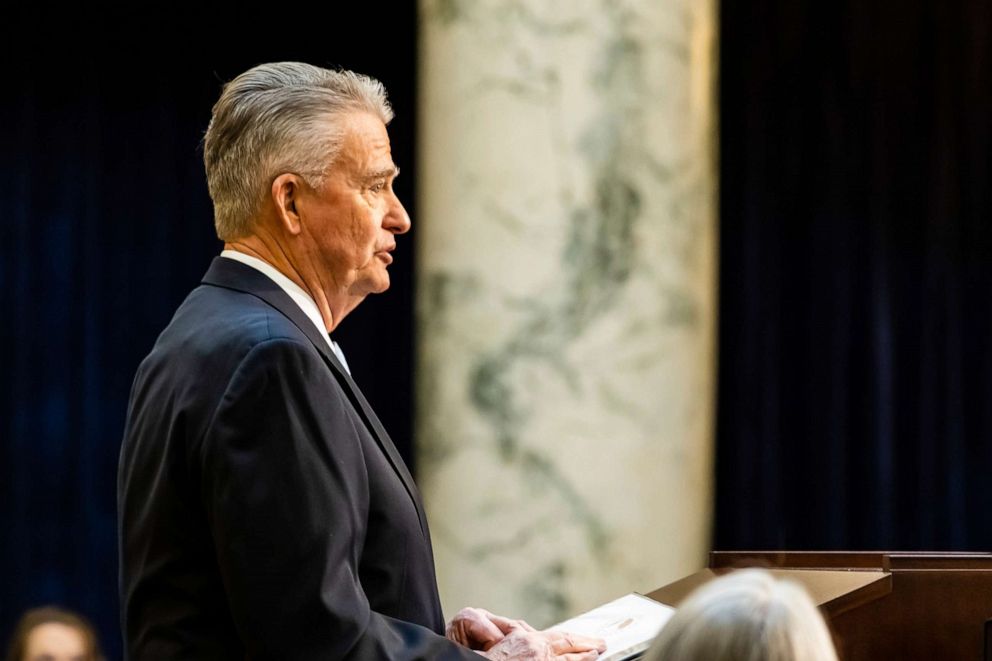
x: 880, y: 605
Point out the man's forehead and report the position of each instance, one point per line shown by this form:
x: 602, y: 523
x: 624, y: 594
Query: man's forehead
x: 366, y: 143
x: 365, y: 129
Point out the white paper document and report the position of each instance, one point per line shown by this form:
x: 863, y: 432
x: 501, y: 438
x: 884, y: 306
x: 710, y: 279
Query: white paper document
x: 628, y: 625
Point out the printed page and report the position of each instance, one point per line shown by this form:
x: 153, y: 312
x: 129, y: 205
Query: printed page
x: 628, y: 625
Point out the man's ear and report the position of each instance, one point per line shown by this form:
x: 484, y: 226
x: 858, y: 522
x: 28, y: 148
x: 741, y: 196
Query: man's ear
x: 286, y: 190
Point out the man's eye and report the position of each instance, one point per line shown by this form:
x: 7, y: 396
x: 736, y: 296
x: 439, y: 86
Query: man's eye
x: 377, y: 187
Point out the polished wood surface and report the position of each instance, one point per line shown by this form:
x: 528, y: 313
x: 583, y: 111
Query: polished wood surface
x: 880, y: 605
x: 836, y: 591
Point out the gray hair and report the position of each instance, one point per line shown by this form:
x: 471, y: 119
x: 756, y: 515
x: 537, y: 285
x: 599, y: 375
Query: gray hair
x: 747, y: 615
x: 275, y: 118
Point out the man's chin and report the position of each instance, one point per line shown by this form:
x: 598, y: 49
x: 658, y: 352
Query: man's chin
x: 376, y: 286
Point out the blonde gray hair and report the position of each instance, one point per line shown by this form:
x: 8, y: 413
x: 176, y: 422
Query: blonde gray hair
x: 275, y: 118
x: 747, y: 615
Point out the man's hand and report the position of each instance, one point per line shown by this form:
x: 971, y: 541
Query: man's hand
x: 478, y: 629
x: 521, y: 645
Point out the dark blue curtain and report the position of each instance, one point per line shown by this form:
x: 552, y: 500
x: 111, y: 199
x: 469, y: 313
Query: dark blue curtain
x: 107, y: 226
x: 855, y: 379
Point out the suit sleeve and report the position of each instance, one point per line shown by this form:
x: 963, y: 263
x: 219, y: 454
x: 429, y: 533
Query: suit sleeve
x: 283, y: 484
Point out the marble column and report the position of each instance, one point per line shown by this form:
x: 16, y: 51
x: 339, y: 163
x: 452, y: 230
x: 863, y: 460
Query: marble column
x: 566, y: 243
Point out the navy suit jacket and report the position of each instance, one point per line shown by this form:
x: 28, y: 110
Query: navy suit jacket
x: 264, y: 512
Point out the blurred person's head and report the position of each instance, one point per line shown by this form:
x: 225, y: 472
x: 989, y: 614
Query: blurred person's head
x: 53, y: 634
x: 747, y: 615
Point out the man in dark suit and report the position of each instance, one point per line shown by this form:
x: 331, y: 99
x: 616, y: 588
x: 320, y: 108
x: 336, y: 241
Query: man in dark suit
x: 264, y: 511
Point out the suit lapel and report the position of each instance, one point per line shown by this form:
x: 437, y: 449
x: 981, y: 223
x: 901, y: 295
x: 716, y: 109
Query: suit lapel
x: 232, y: 274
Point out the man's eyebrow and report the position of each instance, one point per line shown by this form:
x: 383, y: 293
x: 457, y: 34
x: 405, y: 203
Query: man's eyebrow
x: 382, y: 174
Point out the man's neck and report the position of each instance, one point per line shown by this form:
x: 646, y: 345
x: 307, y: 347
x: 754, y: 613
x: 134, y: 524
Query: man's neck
x: 271, y: 251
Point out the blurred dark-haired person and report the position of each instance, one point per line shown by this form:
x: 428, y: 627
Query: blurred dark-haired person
x: 747, y: 615
x: 53, y: 634
x: 264, y: 510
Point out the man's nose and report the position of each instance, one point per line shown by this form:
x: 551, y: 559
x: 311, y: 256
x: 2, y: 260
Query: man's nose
x: 397, y: 220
